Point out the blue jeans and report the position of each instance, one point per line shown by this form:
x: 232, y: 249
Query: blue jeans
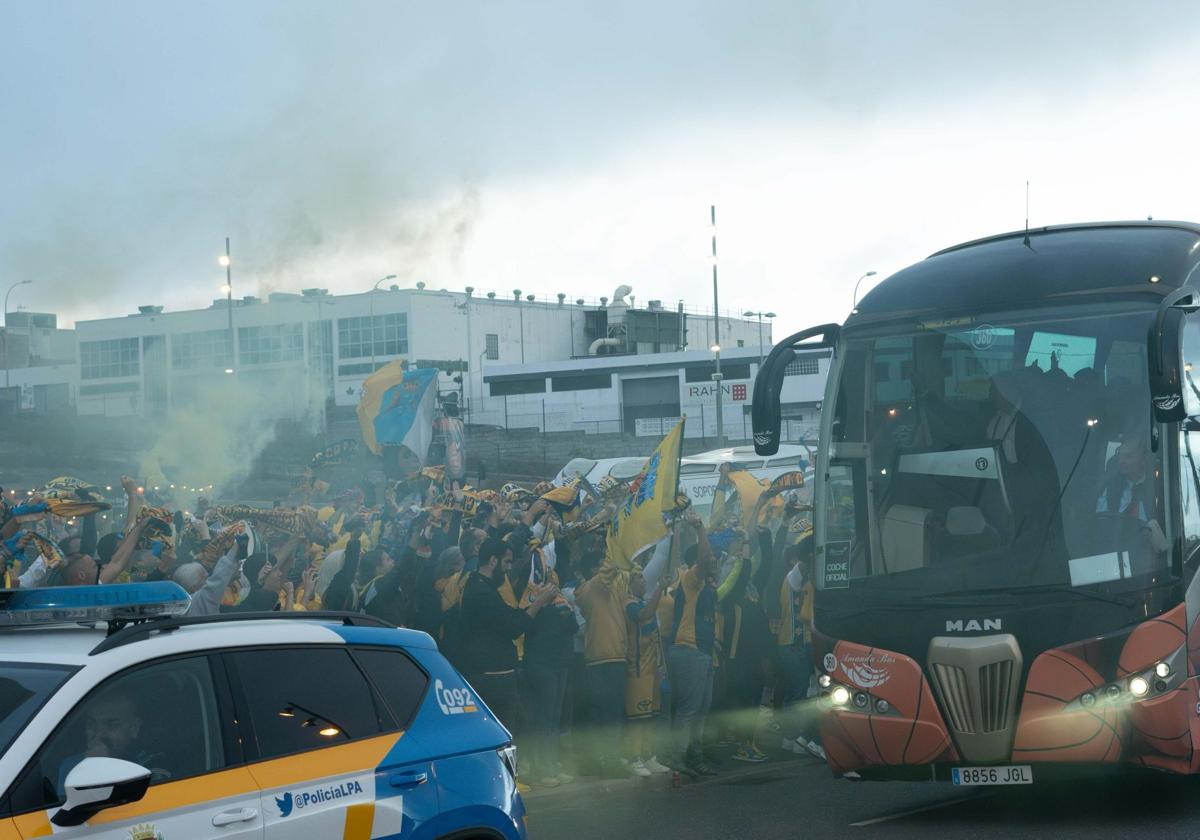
x: 691, y: 674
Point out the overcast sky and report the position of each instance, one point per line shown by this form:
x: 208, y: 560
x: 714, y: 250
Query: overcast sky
x: 570, y: 146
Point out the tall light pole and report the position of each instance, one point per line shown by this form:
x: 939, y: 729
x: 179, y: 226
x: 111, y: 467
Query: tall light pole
x: 319, y: 296
x: 716, y: 346
x: 227, y: 262
x: 760, y: 316
x: 482, y: 354
x: 7, y: 362
x: 854, y: 301
x: 371, y: 320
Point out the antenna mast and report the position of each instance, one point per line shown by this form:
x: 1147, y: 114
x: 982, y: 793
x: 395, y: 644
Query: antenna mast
x: 1026, y: 206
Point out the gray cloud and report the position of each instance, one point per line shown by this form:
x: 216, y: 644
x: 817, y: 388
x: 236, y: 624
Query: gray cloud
x: 339, y: 142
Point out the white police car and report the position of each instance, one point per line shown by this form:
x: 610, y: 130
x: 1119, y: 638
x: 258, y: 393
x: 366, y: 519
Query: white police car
x: 120, y: 718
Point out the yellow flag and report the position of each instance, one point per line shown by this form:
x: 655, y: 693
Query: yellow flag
x: 564, y: 499
x: 639, y: 521
x: 748, y: 489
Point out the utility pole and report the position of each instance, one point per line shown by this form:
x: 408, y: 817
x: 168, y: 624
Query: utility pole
x: 716, y: 347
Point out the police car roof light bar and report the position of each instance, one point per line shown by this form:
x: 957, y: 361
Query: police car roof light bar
x: 144, y: 630
x: 116, y: 603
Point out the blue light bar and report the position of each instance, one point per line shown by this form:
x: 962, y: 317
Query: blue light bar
x: 85, y: 604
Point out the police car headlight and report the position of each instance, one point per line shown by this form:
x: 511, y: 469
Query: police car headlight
x: 509, y: 756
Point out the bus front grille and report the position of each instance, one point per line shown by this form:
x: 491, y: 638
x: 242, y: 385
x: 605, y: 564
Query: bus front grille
x: 951, y: 683
x: 994, y: 690
x: 974, y: 681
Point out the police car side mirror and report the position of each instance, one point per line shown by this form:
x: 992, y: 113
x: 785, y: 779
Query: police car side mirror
x: 98, y: 783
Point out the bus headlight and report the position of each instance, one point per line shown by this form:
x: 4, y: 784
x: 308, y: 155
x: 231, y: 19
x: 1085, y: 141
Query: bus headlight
x: 824, y: 681
x: 840, y: 695
x: 1139, y: 687
x: 1162, y: 670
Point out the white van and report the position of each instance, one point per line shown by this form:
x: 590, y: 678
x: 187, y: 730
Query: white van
x: 593, y: 469
x: 698, y: 474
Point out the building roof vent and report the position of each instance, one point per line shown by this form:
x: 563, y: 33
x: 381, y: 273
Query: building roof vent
x: 150, y: 310
x: 654, y: 305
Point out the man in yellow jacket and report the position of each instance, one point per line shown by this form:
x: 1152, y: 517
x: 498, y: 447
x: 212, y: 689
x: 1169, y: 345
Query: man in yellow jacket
x: 602, y: 600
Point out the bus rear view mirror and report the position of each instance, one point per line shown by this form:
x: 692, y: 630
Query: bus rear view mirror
x: 1165, y: 354
x: 769, y: 382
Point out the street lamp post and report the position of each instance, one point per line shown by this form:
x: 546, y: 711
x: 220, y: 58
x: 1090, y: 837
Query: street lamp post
x: 854, y: 301
x: 225, y: 261
x: 716, y: 347
x: 760, y: 316
x: 7, y: 362
x: 371, y: 320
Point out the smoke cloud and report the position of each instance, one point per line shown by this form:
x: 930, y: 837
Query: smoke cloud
x: 337, y: 143
x: 221, y: 424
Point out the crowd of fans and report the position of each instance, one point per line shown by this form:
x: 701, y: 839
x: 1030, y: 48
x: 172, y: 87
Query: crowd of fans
x: 700, y: 650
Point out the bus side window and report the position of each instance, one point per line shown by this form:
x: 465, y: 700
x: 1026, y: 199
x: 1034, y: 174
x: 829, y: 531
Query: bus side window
x: 1191, y: 365
x: 1189, y: 492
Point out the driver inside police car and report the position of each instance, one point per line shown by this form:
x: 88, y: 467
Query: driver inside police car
x: 114, y: 728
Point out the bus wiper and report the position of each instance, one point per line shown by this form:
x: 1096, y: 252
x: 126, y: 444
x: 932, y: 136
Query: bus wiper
x: 1052, y: 588
x: 1064, y: 589
x: 965, y: 593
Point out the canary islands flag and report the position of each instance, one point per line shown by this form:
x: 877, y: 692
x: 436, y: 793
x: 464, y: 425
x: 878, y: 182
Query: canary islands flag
x: 397, y: 408
x: 640, y: 521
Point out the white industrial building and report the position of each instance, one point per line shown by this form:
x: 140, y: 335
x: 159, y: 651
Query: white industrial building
x: 314, y: 348
x: 645, y: 395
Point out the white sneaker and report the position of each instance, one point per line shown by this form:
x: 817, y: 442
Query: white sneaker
x: 637, y: 768
x: 653, y: 766
x: 811, y: 748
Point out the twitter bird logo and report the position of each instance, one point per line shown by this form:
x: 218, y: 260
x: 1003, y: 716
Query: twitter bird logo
x: 284, y: 803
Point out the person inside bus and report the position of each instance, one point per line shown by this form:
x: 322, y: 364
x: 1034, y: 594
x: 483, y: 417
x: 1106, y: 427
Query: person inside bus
x: 1127, y: 503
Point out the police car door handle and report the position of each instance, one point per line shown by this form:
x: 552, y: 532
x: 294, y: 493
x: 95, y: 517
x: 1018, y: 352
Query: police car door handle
x: 231, y: 817
x: 408, y: 779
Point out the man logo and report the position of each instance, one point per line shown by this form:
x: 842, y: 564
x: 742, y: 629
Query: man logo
x: 284, y: 804
x: 972, y: 626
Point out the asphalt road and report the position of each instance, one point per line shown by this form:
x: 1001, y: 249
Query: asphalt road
x: 798, y: 798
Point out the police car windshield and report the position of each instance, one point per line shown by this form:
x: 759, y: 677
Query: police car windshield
x: 988, y: 453
x: 24, y: 688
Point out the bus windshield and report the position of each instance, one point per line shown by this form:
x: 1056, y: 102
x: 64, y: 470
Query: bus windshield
x: 994, y: 453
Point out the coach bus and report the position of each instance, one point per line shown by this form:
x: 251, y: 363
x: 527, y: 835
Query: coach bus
x: 1007, y: 509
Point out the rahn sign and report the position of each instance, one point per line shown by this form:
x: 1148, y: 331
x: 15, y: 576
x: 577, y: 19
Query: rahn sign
x: 736, y: 391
